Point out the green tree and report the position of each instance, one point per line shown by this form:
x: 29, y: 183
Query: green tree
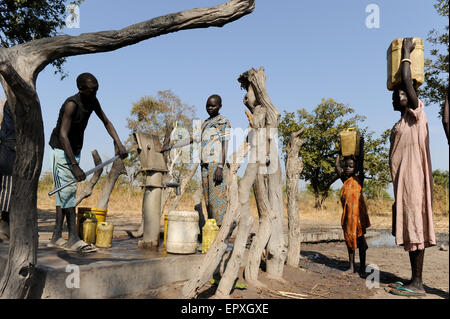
x: 25, y: 20
x: 321, y: 136
x: 376, y: 165
x: 322, y: 127
x: 157, y: 116
x: 440, y: 192
x: 440, y: 178
x: 437, y: 67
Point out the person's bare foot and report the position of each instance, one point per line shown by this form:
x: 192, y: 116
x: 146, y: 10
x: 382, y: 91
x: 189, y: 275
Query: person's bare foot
x: 417, y: 287
x: 362, y: 273
x: 59, y: 243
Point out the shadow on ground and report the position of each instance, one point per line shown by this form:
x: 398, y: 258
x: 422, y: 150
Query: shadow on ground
x: 342, y: 265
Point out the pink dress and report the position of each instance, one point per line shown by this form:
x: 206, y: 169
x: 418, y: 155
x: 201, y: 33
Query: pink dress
x: 410, y: 164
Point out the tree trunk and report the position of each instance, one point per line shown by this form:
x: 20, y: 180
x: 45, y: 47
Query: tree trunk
x: 268, y: 188
x: 19, y: 68
x: 245, y: 224
x: 268, y: 191
x: 262, y: 236
x: 294, y: 167
x: 319, y: 199
x: 276, y: 247
x: 22, y: 256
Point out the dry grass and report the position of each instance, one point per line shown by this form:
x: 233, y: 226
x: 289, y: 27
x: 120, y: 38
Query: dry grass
x: 128, y: 202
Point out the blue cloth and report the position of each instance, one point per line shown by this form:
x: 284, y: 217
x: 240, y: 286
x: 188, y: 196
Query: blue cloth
x: 216, y: 195
x: 62, y: 174
x: 215, y: 130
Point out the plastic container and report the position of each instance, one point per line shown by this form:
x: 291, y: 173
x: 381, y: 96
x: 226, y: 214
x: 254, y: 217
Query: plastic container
x: 350, y: 141
x: 182, y: 232
x: 394, y: 57
x: 83, y: 212
x: 105, y: 232
x: 209, y: 233
x: 165, y: 230
x: 89, y: 229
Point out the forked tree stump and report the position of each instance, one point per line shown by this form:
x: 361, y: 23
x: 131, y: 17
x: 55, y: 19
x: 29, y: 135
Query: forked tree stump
x: 294, y: 167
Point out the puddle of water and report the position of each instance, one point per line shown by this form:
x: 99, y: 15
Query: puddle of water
x: 384, y: 239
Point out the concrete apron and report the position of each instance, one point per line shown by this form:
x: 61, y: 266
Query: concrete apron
x: 123, y: 270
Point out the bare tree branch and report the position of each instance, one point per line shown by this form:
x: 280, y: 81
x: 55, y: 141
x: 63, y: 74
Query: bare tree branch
x: 54, y: 48
x: 174, y: 203
x: 89, y: 186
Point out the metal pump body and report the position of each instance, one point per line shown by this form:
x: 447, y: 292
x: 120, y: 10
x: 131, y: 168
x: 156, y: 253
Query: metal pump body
x: 153, y: 166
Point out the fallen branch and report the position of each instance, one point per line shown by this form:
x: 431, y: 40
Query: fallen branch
x: 287, y: 294
x: 89, y: 186
x: 184, y: 183
x: 117, y: 169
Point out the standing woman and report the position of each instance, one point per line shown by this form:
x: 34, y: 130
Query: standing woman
x: 410, y: 165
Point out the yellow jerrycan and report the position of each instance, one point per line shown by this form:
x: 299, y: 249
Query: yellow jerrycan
x: 350, y: 140
x: 89, y: 229
x: 104, y: 235
x: 209, y: 233
x: 394, y: 57
x: 165, y: 229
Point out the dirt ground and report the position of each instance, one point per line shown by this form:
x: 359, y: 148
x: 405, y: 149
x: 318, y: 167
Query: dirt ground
x: 320, y: 276
x: 320, y: 272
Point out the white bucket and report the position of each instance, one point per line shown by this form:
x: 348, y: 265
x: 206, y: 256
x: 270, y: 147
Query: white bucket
x: 182, y: 232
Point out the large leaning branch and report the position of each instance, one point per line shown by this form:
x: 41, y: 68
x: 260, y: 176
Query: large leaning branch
x: 54, y: 48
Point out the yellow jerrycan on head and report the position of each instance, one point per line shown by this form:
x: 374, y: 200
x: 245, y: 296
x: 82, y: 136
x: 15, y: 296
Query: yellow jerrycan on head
x: 209, y: 233
x: 394, y: 58
x: 350, y: 141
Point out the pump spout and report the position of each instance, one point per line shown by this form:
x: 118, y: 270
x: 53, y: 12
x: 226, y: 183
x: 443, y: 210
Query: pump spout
x: 174, y: 185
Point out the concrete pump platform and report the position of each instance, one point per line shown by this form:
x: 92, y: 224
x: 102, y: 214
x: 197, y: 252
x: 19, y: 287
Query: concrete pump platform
x: 120, y: 271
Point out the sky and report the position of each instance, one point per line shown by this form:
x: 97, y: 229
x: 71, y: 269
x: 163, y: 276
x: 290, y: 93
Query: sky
x: 309, y: 49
